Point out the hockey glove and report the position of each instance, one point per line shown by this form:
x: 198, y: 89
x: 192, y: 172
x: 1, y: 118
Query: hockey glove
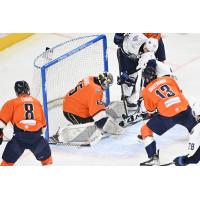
x: 125, y: 79
x: 118, y: 39
x: 181, y: 161
x: 1, y: 136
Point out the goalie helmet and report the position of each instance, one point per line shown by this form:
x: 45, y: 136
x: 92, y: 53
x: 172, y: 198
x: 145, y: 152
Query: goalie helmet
x: 105, y: 80
x: 22, y: 87
x: 149, y: 73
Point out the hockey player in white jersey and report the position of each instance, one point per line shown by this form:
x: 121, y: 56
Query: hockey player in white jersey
x: 193, y: 156
x: 138, y: 48
x: 162, y: 69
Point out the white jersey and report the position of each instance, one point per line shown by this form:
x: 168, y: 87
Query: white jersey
x: 163, y: 69
x: 132, y: 43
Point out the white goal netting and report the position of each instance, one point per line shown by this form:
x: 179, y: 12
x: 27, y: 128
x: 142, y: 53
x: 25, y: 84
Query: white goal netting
x: 59, y: 69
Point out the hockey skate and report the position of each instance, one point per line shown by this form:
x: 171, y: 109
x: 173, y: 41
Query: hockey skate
x: 139, y: 138
x: 131, y: 106
x: 154, y: 160
x: 54, y: 139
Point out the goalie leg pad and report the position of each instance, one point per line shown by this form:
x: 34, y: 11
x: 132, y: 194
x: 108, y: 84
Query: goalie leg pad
x: 112, y: 127
x: 115, y: 109
x: 77, y: 133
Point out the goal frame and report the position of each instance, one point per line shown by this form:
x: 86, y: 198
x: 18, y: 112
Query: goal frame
x: 62, y: 57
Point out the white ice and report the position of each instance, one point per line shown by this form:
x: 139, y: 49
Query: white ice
x: 183, y: 53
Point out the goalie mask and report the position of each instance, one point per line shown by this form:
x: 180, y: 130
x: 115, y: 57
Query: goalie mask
x: 22, y: 87
x: 105, y: 80
x: 149, y: 73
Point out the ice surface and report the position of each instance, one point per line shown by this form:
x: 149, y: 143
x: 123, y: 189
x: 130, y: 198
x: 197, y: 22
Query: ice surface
x: 183, y: 53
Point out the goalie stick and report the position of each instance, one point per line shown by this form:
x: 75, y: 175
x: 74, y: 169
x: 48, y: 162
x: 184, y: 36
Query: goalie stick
x: 136, y: 117
x: 167, y: 164
x: 122, y: 90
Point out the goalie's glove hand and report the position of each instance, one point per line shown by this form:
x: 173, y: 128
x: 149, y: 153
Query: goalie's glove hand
x: 118, y: 39
x: 125, y: 79
x: 181, y: 161
x: 1, y: 136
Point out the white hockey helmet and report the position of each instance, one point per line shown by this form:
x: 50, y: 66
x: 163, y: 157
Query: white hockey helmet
x: 132, y: 43
x: 145, y: 57
x: 151, y: 45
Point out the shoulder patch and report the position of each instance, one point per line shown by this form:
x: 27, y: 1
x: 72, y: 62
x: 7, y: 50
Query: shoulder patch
x: 99, y: 102
x: 98, y: 91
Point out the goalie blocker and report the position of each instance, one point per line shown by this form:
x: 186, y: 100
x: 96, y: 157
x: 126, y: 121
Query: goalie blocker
x: 79, y: 108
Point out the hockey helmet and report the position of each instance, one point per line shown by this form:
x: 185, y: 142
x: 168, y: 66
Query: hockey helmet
x: 22, y: 87
x: 149, y: 73
x: 105, y: 80
x: 133, y: 44
x: 151, y: 45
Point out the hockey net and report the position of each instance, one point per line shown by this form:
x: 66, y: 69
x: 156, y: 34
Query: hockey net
x: 59, y: 69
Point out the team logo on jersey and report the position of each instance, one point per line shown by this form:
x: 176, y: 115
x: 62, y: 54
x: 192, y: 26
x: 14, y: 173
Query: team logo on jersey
x: 99, y: 102
x: 135, y: 38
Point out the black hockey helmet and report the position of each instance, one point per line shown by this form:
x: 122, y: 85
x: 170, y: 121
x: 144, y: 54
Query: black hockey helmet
x: 22, y: 87
x: 105, y: 80
x: 149, y: 72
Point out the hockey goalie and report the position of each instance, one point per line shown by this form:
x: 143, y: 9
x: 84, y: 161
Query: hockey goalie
x: 83, y: 107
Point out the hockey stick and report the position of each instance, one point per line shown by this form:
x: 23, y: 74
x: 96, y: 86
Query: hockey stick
x: 134, y: 119
x: 122, y: 89
x: 167, y: 164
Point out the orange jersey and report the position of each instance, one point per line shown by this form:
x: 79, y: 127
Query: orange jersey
x: 85, y: 100
x: 25, y: 112
x: 153, y: 35
x: 164, y: 95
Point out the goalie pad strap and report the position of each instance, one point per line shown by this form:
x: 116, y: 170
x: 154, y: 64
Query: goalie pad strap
x: 100, y: 123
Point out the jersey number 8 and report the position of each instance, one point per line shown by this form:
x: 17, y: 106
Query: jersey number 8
x: 29, y: 111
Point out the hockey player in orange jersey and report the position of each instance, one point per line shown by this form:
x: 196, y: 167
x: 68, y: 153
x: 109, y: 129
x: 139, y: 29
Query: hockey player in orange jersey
x: 27, y: 117
x: 164, y: 96
x: 84, y: 101
x: 84, y: 104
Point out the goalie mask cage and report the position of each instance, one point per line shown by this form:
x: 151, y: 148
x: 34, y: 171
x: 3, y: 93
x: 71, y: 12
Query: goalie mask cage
x: 59, y: 69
